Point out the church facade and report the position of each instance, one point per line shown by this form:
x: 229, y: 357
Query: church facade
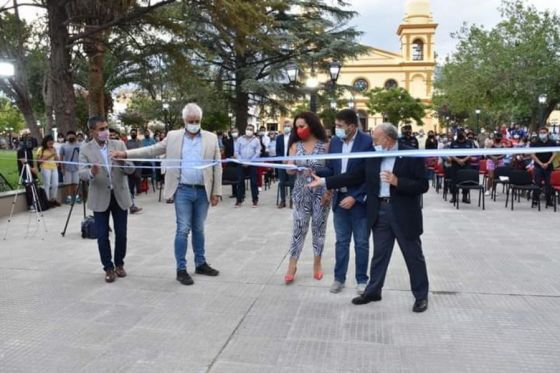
x: 411, y: 68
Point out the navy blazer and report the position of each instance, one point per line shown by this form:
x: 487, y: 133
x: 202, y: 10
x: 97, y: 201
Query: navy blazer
x: 280, y: 145
x: 362, y: 143
x: 405, y: 197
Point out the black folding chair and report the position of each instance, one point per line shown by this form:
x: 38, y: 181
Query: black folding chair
x: 469, y: 180
x: 520, y: 181
x: 504, y: 173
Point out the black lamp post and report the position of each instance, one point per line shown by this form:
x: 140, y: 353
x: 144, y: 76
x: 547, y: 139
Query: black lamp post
x: 313, y: 83
x: 542, y: 103
x: 477, y: 111
x: 166, y: 116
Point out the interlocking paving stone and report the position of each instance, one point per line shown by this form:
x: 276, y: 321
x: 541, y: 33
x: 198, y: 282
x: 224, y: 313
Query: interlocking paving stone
x: 494, y: 307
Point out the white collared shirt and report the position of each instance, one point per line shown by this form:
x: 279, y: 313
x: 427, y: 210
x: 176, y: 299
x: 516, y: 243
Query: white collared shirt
x: 105, y: 154
x: 387, y: 164
x: 286, y: 141
x: 347, y: 148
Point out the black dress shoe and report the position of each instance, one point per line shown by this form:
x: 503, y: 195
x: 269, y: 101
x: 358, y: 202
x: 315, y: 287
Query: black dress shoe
x: 466, y: 201
x: 205, y: 269
x: 420, y: 305
x: 366, y: 299
x: 184, y: 278
x: 453, y: 200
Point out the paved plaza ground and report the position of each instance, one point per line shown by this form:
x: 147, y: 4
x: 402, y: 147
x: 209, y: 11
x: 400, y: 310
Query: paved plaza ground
x: 494, y: 302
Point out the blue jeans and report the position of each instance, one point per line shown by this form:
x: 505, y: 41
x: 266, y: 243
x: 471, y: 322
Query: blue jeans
x: 120, y: 218
x: 191, y: 209
x: 348, y: 223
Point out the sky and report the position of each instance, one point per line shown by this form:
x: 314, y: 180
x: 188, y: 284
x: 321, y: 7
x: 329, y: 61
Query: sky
x: 379, y: 19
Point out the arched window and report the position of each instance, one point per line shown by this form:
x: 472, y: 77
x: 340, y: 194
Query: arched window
x: 418, y: 50
x: 391, y: 83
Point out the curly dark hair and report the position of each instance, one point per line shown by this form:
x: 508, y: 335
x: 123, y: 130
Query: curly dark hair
x: 314, y: 124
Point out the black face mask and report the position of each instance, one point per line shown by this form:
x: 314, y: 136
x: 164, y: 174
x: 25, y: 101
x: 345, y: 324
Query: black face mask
x: 71, y: 139
x: 408, y: 134
x: 431, y: 136
x: 133, y: 136
x: 461, y: 137
x: 147, y: 136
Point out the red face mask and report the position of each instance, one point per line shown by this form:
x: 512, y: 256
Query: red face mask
x: 304, y: 133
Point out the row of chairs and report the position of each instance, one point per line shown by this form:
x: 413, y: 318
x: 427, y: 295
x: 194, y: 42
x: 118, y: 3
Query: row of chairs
x: 514, y: 182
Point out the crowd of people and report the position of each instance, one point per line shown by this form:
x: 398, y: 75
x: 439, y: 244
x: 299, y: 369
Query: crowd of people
x: 379, y: 195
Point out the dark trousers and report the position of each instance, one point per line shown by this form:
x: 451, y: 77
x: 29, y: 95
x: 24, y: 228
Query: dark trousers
x: 453, y: 175
x: 385, y: 231
x: 242, y: 173
x: 285, y: 179
x: 120, y: 218
x: 543, y: 176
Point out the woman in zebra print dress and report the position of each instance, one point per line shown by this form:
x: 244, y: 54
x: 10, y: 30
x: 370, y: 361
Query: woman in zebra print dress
x: 313, y: 205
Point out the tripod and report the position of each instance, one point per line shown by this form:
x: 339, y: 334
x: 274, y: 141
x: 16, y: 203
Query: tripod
x: 26, y: 179
x: 81, y: 186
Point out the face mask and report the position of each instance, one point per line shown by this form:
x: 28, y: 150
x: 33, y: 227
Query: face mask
x: 261, y: 133
x: 61, y: 140
x: 460, y: 137
x: 193, y: 128
x: 71, y: 139
x: 287, y: 130
x: 103, y: 135
x: 134, y: 136
x: 340, y: 133
x: 304, y: 133
x: 543, y: 137
x: 249, y: 133
x: 146, y: 136
x: 234, y: 135
x: 378, y: 148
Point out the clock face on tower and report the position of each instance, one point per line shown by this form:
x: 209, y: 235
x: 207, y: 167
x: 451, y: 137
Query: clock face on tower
x: 361, y: 85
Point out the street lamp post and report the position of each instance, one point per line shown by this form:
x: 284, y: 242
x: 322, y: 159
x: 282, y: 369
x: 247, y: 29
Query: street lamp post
x: 7, y: 69
x: 166, y: 118
x: 477, y: 111
x: 313, y: 84
x: 542, y: 103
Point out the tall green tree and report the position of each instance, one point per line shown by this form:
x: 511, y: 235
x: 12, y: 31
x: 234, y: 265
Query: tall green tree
x: 245, y: 46
x: 10, y: 117
x: 396, y: 105
x: 504, y: 70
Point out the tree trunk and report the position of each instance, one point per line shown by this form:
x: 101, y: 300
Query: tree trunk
x: 241, y: 99
x: 95, y: 50
x: 61, y: 78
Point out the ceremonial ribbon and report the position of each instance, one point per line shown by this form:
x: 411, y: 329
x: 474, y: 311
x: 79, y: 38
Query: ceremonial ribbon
x: 272, y: 162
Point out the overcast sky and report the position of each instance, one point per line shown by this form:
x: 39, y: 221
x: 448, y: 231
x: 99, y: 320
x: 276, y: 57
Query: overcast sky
x: 379, y: 19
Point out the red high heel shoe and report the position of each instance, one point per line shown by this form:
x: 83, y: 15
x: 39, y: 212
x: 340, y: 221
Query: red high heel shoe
x: 288, y: 279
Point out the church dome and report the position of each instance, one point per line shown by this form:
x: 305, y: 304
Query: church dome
x: 418, y: 11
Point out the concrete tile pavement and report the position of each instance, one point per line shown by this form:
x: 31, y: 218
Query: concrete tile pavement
x: 494, y: 305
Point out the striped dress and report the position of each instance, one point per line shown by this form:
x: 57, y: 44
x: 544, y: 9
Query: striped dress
x: 307, y: 205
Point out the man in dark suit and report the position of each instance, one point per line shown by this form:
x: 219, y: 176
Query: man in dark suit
x: 394, y: 188
x: 282, y: 151
x: 349, y: 205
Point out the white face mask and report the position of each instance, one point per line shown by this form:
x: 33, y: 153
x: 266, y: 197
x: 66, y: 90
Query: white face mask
x: 193, y: 127
x: 543, y: 137
x: 287, y: 130
x: 249, y: 133
x: 234, y: 135
x: 378, y: 148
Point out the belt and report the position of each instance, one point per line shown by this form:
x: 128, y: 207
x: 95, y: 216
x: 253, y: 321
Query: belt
x: 384, y: 200
x: 194, y: 186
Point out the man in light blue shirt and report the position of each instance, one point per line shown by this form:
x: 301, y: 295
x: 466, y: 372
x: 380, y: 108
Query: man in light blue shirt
x: 247, y: 147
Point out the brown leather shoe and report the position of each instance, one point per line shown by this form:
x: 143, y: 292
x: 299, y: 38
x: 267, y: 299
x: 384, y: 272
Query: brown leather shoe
x: 282, y: 205
x: 120, y: 271
x: 110, y: 275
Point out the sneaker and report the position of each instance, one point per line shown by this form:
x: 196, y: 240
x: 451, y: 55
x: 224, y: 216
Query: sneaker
x: 487, y: 194
x: 361, y: 289
x: 205, y: 269
x: 184, y: 278
x: 78, y: 200
x: 336, y: 287
x: 31, y: 209
x: 68, y: 200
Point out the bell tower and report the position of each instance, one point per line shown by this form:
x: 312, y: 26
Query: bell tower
x: 417, y: 33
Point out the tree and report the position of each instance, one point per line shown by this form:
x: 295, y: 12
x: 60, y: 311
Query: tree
x: 503, y: 71
x: 10, y: 117
x: 246, y: 46
x: 396, y: 105
x: 15, y: 35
